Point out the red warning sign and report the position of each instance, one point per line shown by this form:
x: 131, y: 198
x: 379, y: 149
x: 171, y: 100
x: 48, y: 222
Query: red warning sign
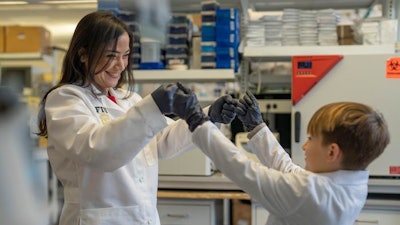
x: 393, y: 67
x: 394, y: 170
x: 308, y: 71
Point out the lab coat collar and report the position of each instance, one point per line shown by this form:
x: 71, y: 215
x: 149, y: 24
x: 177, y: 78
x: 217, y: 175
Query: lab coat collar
x: 96, y: 90
x: 112, y: 91
x: 348, y: 177
x: 104, y: 100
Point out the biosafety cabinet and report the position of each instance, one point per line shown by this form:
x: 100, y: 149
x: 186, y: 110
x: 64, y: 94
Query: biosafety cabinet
x: 366, y: 74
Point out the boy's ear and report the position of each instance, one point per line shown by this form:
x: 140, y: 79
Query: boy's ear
x: 335, y: 153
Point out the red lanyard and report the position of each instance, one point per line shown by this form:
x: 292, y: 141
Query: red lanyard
x: 112, y: 98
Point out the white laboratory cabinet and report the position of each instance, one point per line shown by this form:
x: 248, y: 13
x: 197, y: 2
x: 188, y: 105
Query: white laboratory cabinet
x: 366, y: 217
x: 259, y: 215
x: 190, y: 211
x: 364, y: 74
x: 378, y: 217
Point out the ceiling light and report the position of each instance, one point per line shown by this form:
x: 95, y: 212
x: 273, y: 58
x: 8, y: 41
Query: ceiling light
x: 13, y: 2
x: 68, y: 1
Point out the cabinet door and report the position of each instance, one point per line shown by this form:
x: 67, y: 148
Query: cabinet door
x: 190, y: 212
x: 378, y: 217
x: 259, y: 215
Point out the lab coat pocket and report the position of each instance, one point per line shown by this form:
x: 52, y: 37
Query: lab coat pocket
x: 115, y: 216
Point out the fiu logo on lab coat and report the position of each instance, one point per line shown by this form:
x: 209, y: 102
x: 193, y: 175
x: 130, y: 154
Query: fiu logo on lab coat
x: 103, y: 114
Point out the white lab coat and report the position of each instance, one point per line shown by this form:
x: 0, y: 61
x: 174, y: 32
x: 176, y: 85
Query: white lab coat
x: 21, y: 198
x: 106, y: 155
x: 289, y: 193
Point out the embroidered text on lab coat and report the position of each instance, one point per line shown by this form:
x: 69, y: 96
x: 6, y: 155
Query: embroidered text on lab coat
x: 103, y: 114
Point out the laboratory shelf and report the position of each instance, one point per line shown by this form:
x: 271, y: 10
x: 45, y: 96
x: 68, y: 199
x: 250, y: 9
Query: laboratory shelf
x: 27, y: 59
x: 288, y: 51
x: 19, y: 56
x: 194, y: 75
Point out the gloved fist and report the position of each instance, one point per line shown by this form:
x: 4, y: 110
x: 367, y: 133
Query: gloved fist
x: 248, y: 111
x: 187, y: 107
x: 223, y: 110
x: 163, y: 96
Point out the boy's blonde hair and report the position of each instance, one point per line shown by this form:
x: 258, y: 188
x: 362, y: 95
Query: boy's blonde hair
x: 360, y: 131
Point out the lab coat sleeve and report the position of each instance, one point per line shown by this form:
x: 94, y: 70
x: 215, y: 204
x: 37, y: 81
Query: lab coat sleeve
x: 270, y: 152
x: 74, y: 130
x: 176, y: 139
x: 280, y: 193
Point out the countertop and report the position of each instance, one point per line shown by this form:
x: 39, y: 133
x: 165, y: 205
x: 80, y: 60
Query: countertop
x: 217, y: 181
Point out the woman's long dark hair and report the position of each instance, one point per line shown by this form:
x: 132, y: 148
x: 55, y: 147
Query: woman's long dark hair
x: 93, y: 33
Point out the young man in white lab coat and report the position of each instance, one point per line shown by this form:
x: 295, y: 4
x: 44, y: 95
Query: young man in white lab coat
x: 343, y: 139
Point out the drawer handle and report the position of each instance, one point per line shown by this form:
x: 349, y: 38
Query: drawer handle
x: 360, y: 222
x: 177, y: 215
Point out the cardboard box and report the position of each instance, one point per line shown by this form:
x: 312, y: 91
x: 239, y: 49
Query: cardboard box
x: 241, y: 212
x: 344, y: 31
x: 2, y: 38
x: 27, y: 39
x: 196, y: 19
x: 346, y: 41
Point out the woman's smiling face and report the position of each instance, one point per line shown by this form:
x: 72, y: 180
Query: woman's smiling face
x: 116, y: 61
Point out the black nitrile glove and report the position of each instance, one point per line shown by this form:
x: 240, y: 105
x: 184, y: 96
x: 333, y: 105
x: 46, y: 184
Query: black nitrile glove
x: 223, y: 110
x: 163, y: 96
x: 187, y: 107
x: 249, y: 112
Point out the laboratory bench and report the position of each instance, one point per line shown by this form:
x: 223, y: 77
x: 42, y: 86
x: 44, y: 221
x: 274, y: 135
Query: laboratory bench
x: 200, y: 200
x: 213, y: 200
x: 180, y: 196
x: 216, y: 181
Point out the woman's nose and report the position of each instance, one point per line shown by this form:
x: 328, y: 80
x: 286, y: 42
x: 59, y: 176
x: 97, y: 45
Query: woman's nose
x: 120, y: 62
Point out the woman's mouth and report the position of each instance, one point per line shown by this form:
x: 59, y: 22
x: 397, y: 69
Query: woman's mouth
x: 113, y: 75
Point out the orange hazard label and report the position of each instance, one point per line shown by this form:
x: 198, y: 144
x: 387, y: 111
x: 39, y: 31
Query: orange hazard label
x: 394, y: 169
x: 393, y: 67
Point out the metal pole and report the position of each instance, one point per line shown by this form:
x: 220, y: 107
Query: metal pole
x: 227, y: 214
x: 388, y: 9
x: 391, y: 10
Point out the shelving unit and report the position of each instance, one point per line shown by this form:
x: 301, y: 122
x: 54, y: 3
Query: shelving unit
x: 282, y: 52
x: 205, y: 75
x: 37, y: 59
x: 185, y: 6
x: 29, y: 59
x: 26, y: 56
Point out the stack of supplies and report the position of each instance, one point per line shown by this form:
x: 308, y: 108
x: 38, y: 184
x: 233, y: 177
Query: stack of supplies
x: 273, y: 30
x: 227, y: 38
x: 178, y: 44
x: 308, y: 28
x: 255, y: 33
x: 327, y: 22
x: 208, y: 34
x: 290, y: 27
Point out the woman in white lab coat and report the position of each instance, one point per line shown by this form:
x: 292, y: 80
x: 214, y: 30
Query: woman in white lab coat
x: 104, y: 142
x: 344, y: 137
